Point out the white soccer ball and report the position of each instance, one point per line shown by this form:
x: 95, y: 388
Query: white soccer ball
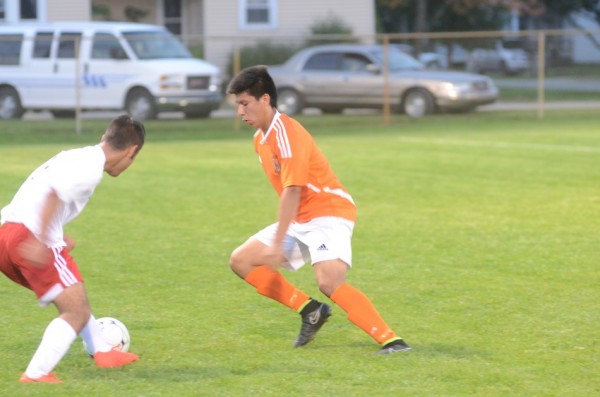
x: 114, y: 332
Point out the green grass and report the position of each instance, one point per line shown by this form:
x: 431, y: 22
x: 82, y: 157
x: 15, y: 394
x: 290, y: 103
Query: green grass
x: 477, y: 240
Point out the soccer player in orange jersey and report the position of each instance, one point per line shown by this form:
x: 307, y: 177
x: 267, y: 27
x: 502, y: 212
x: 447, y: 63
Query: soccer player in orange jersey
x: 315, y: 222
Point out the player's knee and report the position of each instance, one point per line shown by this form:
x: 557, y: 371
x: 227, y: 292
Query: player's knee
x: 236, y: 262
x: 328, y: 286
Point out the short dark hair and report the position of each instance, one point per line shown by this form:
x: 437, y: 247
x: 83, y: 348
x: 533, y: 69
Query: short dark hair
x: 256, y: 81
x: 124, y: 132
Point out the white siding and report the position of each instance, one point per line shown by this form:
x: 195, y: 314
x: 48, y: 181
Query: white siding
x: 294, y: 21
x: 69, y: 10
x: 584, y: 49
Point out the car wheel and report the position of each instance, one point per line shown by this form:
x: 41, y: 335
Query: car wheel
x: 10, y: 104
x: 140, y: 105
x: 289, y: 101
x: 417, y: 103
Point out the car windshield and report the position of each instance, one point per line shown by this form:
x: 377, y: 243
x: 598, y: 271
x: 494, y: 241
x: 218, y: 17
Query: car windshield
x: 156, y: 45
x: 398, y: 60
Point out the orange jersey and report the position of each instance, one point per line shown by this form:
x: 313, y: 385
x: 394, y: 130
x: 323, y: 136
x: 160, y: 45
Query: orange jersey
x: 290, y: 157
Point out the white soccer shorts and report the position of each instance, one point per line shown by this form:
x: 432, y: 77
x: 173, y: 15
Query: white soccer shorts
x: 323, y: 238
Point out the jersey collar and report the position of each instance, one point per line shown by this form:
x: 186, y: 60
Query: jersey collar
x: 266, y: 135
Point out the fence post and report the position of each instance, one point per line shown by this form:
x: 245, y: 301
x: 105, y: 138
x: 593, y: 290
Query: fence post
x: 77, y: 44
x: 386, y: 79
x: 541, y: 55
x: 237, y: 67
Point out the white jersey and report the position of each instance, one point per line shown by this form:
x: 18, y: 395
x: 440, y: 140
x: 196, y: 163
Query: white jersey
x: 73, y: 175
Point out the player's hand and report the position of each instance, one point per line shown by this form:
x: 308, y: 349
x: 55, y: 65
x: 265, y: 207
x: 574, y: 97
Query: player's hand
x: 35, y: 252
x: 273, y: 257
x: 70, y: 243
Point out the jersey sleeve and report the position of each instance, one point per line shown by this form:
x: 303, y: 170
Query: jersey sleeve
x: 295, y: 160
x: 71, y: 178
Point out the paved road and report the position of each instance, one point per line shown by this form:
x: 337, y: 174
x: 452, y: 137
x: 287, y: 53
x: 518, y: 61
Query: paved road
x: 558, y: 84
x: 587, y: 85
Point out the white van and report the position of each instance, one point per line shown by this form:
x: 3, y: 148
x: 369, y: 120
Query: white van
x: 64, y: 66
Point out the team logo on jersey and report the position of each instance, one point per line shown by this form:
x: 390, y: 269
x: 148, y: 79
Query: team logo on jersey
x: 276, y: 165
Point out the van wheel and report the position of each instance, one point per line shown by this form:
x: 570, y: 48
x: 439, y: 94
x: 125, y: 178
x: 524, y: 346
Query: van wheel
x: 418, y: 102
x: 140, y: 105
x: 10, y: 104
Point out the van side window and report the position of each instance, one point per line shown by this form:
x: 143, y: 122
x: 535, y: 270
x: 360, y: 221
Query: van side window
x: 66, y: 45
x: 42, y: 44
x: 10, y: 49
x: 106, y: 46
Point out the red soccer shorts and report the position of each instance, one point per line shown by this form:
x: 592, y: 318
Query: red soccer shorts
x: 46, y: 282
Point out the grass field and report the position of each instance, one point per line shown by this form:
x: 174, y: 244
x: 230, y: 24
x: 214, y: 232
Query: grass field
x: 478, y: 240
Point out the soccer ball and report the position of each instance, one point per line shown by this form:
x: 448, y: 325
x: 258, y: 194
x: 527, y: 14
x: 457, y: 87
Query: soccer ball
x: 114, y: 332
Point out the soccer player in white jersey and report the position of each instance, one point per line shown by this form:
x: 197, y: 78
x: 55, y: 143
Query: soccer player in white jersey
x: 35, y: 252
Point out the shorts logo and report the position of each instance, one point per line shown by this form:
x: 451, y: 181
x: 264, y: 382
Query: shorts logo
x: 322, y: 247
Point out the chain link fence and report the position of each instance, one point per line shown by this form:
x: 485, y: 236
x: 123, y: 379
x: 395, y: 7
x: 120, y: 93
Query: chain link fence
x: 536, y: 71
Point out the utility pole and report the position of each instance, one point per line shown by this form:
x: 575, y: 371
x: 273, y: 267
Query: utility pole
x: 421, y: 24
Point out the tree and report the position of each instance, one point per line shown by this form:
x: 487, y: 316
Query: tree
x: 395, y: 16
x: 399, y: 16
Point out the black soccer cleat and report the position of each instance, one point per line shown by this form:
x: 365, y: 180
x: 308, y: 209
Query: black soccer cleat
x: 395, y: 346
x: 311, y: 323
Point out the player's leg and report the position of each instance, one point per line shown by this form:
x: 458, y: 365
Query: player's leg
x: 330, y: 244
x: 61, y: 283
x: 93, y: 339
x: 245, y: 261
x: 358, y: 307
x: 60, y: 333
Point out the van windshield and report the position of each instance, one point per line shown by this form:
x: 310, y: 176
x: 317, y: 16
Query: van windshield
x: 155, y: 45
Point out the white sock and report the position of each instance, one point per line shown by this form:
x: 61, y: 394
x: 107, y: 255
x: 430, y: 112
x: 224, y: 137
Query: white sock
x: 93, y: 338
x: 57, y: 339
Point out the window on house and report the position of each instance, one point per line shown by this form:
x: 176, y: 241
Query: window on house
x: 258, y: 13
x: 28, y: 9
x: 172, y: 13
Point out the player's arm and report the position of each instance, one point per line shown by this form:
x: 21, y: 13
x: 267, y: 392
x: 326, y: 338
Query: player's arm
x: 288, y: 208
x: 36, y: 251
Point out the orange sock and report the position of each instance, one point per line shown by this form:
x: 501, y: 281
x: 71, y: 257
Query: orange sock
x: 272, y: 284
x: 362, y: 313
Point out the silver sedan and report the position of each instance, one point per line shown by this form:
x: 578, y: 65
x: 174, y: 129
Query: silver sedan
x: 338, y: 76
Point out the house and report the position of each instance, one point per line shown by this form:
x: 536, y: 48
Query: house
x: 12, y: 11
x: 232, y: 23
x: 585, y: 47
x: 219, y: 25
